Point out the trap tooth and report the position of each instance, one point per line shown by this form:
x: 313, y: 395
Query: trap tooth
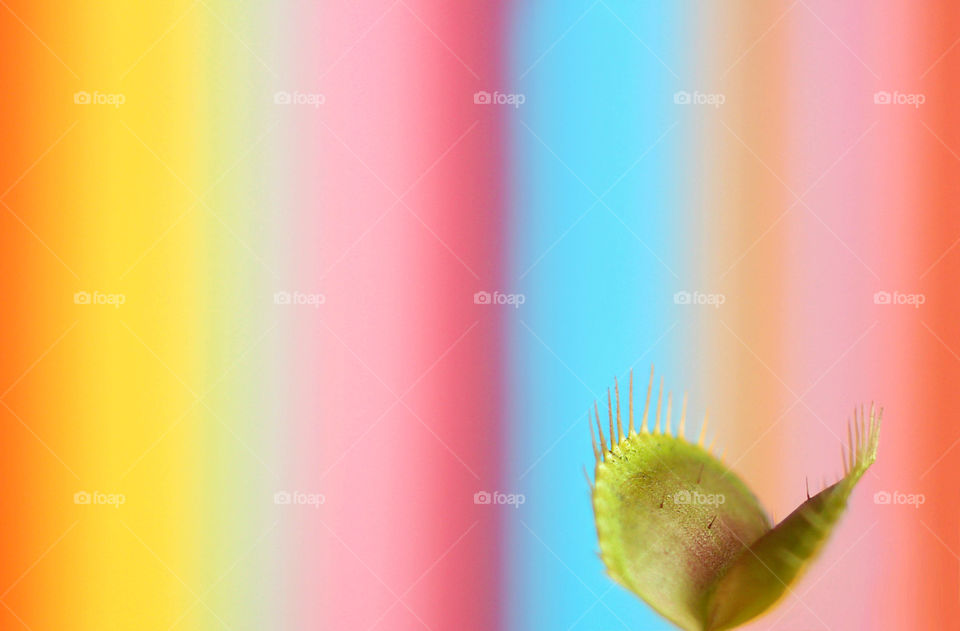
x: 703, y: 429
x: 683, y: 417
x: 616, y: 389
x: 656, y: 429
x: 646, y: 406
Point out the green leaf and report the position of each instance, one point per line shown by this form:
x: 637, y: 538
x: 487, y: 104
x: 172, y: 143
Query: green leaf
x: 678, y: 528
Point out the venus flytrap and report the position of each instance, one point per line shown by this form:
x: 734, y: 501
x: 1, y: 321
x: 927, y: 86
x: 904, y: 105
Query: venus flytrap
x: 682, y: 531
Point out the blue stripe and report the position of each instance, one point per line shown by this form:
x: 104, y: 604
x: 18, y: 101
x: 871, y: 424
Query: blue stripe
x: 596, y: 298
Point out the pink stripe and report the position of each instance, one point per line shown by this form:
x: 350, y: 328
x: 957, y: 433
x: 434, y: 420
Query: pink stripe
x: 397, y: 396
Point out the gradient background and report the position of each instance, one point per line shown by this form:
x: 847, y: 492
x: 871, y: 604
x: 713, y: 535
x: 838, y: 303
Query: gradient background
x: 398, y: 398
